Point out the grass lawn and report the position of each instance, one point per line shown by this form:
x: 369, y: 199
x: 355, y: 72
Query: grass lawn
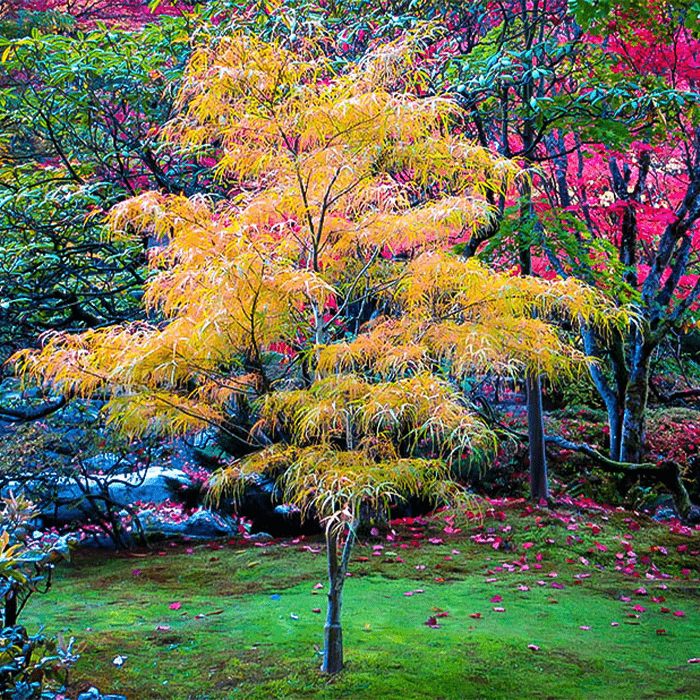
x: 539, y: 605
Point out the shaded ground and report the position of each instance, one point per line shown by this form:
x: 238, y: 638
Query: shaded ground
x: 531, y: 598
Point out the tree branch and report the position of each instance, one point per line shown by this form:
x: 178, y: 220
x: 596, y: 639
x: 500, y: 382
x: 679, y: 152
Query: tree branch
x: 33, y: 413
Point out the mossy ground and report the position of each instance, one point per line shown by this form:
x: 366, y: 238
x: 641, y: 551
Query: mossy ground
x: 246, y: 626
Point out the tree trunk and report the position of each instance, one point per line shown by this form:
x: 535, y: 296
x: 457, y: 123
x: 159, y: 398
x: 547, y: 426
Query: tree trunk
x: 333, y: 630
x: 539, y: 488
x: 612, y: 393
x: 636, y: 396
x: 11, y: 606
x: 633, y: 434
x: 615, y: 428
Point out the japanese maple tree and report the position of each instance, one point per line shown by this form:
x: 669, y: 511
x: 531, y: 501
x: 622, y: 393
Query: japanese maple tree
x: 321, y: 295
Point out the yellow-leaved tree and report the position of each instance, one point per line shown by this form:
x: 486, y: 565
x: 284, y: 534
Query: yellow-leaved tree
x: 321, y: 296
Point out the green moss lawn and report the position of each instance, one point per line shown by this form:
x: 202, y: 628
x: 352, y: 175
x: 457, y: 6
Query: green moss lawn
x: 581, y: 603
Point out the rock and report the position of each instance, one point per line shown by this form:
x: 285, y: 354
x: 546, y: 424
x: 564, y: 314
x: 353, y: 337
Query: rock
x: 108, y: 461
x: 262, y: 503
x: 63, y: 500
x: 694, y: 515
x: 204, y: 524
x: 208, y: 525
x: 113, y: 697
x: 260, y: 537
x: 91, y: 694
x: 663, y: 507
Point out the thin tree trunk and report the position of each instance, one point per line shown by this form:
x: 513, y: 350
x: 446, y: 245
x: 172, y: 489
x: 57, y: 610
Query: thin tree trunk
x: 11, y: 606
x: 333, y: 630
x: 612, y: 393
x: 539, y: 488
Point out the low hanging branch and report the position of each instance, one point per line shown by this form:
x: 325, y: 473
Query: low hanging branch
x: 27, y: 415
x: 674, y: 396
x: 667, y: 472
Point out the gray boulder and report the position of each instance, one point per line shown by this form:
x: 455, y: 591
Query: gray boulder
x: 91, y: 694
x: 204, y: 524
x: 63, y: 500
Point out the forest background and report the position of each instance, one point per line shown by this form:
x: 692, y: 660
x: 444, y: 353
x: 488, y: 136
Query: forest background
x: 594, y: 105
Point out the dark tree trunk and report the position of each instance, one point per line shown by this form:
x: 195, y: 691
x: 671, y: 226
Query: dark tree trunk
x: 333, y: 630
x: 539, y: 488
x: 11, y: 607
x: 333, y: 635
